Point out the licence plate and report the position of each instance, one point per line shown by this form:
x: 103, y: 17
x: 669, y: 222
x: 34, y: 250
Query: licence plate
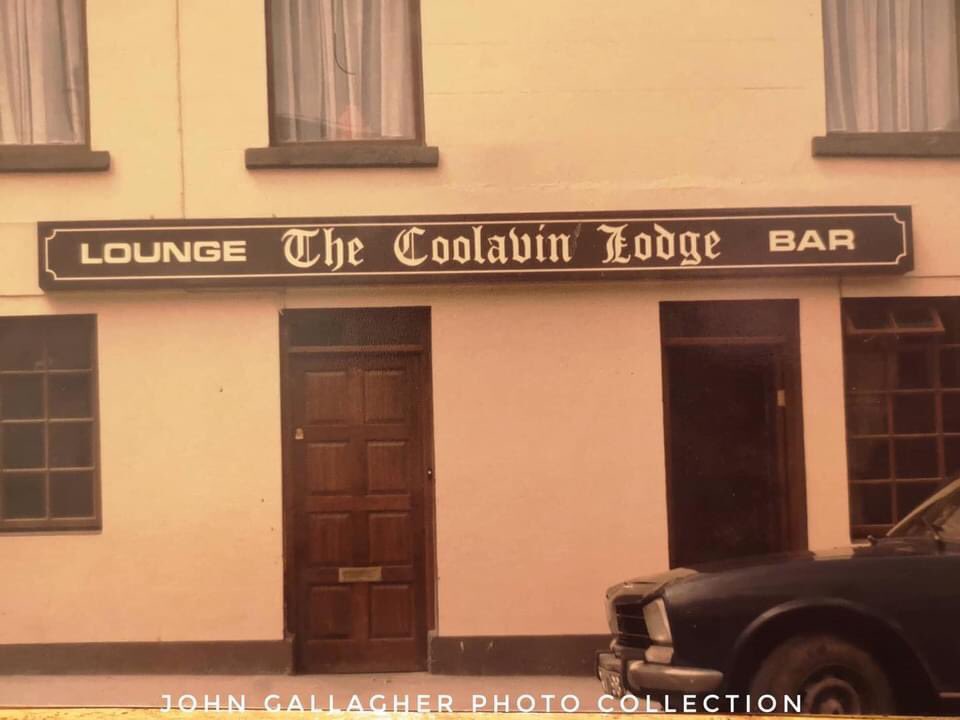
x: 611, y: 681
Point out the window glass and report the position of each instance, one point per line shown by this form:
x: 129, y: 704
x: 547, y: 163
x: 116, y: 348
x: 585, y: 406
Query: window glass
x: 42, y: 72
x: 48, y: 468
x: 902, y: 405
x: 891, y: 65
x: 342, y: 70
x: 23, y: 496
x: 71, y: 495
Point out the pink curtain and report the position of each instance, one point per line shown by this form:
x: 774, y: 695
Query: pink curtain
x: 342, y: 69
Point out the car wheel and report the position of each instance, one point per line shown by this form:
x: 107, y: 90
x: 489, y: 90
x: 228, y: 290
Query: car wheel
x: 830, y: 675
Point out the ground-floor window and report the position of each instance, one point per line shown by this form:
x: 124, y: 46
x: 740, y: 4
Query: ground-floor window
x: 48, y: 424
x: 902, y: 383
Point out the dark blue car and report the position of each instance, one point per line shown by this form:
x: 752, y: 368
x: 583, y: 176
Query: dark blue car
x: 871, y: 629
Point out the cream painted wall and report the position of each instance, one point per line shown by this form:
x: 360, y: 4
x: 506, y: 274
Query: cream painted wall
x: 189, y: 448
x: 547, y: 397
x: 563, y: 105
x: 540, y: 446
x: 132, y: 56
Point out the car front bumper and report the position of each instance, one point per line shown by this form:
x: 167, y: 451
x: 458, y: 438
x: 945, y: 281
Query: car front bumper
x: 619, y: 676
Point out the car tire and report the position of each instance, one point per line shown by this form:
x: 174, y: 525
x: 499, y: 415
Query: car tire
x: 830, y: 675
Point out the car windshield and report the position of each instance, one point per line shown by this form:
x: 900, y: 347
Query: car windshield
x: 938, y: 517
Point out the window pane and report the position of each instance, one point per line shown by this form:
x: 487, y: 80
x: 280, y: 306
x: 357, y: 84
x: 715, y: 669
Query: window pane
x: 891, y: 66
x: 866, y: 371
x: 70, y: 445
x: 21, y: 396
x: 71, y: 494
x: 867, y: 414
x: 909, y: 495
x: 916, y: 317
x: 389, y: 327
x: 868, y: 316
x: 914, y: 413
x: 916, y: 458
x: 913, y: 370
x: 951, y: 452
x: 342, y: 69
x: 871, y: 504
x: 951, y: 412
x: 869, y: 459
x: 69, y: 396
x: 23, y: 446
x: 23, y: 496
x: 950, y: 368
x: 68, y: 344
x: 21, y: 344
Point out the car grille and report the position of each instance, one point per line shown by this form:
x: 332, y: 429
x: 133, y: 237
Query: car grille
x: 631, y: 627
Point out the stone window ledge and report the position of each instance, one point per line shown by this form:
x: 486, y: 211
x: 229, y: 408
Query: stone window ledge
x: 52, y: 158
x: 343, y: 154
x: 888, y: 144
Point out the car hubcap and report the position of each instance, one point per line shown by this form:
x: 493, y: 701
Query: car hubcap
x: 831, y: 696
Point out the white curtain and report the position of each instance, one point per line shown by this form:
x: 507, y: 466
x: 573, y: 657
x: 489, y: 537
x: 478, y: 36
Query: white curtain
x: 342, y: 69
x: 891, y: 65
x: 42, y: 86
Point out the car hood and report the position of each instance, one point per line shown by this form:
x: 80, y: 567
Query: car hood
x: 885, y: 547
x: 649, y: 584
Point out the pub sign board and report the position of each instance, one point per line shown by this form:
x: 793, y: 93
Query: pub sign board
x: 450, y: 248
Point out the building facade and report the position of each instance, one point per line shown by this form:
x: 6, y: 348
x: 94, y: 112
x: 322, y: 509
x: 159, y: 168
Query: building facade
x: 445, y: 473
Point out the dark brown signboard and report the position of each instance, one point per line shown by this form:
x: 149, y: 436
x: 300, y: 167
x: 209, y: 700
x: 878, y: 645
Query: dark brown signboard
x: 448, y: 248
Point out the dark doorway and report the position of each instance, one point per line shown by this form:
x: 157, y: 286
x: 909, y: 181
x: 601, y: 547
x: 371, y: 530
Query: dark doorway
x: 732, y: 401
x: 359, y: 511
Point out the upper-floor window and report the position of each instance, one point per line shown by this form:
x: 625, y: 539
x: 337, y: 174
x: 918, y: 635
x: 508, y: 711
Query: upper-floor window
x: 342, y: 70
x: 43, y: 86
x: 44, y: 120
x: 344, y: 84
x: 892, y: 68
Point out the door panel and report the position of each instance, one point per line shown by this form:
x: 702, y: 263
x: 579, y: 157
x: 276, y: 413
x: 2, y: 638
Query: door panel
x: 733, y: 428
x: 726, y: 498
x: 358, y: 513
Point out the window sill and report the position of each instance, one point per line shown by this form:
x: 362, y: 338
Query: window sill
x: 888, y: 144
x: 40, y: 527
x: 340, y: 154
x: 52, y: 158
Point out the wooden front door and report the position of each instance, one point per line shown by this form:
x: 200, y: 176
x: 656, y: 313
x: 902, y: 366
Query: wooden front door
x: 358, y: 579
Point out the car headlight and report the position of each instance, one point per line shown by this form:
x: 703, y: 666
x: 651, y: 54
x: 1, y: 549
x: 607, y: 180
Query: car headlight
x: 658, y: 627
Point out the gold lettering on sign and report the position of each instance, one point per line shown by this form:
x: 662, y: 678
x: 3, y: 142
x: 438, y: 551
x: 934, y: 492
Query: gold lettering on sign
x: 836, y: 239
x: 693, y: 247
x: 479, y: 248
x: 296, y: 247
x: 299, y: 253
